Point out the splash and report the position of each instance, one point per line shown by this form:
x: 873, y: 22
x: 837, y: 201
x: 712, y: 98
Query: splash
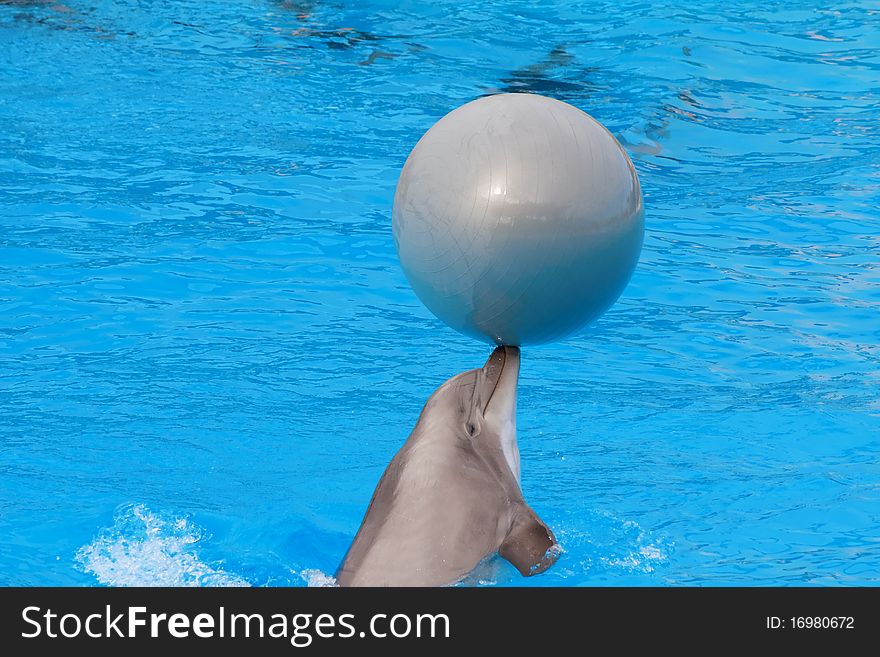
x: 316, y: 578
x: 643, y: 560
x: 597, y: 545
x: 143, y: 548
x: 638, y: 552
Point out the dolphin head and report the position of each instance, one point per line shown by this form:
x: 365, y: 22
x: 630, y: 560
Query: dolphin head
x: 480, y: 404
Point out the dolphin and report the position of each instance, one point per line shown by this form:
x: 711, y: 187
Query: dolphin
x: 451, y: 496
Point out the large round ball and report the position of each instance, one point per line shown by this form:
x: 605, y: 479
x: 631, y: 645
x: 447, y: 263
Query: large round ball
x: 518, y: 219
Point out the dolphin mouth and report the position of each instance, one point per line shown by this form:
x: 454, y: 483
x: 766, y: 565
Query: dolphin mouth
x: 500, y: 377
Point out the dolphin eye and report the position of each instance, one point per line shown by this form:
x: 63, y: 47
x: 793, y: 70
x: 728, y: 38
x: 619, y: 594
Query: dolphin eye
x: 471, y: 428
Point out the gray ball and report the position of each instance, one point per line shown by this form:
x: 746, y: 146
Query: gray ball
x: 518, y: 219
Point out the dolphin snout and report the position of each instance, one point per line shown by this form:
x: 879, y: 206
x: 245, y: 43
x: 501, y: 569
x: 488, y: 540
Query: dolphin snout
x: 502, y: 358
x: 501, y: 375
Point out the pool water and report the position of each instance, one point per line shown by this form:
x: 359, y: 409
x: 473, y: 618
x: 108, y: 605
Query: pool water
x: 209, y: 354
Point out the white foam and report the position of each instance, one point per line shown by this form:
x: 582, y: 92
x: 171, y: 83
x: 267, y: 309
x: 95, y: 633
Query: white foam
x: 643, y: 556
x: 596, y: 543
x: 316, y: 578
x: 643, y: 560
x: 143, y: 548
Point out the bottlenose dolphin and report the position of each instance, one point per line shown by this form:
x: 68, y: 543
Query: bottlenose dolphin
x: 451, y: 496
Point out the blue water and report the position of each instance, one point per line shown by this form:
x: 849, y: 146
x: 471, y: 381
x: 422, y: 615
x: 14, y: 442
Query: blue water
x: 208, y: 351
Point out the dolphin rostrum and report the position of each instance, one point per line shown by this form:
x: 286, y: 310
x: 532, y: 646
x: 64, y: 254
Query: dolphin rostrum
x: 451, y: 496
